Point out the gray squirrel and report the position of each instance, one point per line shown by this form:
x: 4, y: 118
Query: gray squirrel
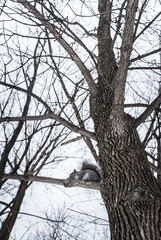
x: 88, y: 172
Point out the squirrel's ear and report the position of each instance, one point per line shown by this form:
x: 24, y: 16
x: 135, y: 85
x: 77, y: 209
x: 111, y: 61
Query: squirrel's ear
x: 74, y: 170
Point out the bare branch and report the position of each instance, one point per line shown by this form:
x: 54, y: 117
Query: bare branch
x: 145, y: 55
x: 148, y: 111
x: 119, y: 22
x: 57, y: 181
x: 140, y: 15
x: 128, y: 105
x: 51, y: 115
x: 145, y: 68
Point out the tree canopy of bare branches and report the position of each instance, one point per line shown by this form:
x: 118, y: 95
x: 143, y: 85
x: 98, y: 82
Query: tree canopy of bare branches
x: 83, y: 72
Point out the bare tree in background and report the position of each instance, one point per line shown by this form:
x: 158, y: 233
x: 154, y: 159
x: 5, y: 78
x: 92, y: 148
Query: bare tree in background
x: 114, y: 67
x: 20, y: 153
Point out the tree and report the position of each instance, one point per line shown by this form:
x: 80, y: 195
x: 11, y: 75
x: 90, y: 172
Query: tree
x: 18, y: 141
x: 84, y: 65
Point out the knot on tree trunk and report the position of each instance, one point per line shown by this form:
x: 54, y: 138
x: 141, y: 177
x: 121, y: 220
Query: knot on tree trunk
x: 140, y: 194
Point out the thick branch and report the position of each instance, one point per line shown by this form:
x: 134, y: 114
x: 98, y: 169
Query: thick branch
x: 126, y: 49
x: 106, y: 59
x: 148, y: 111
x: 62, y: 182
x: 84, y: 70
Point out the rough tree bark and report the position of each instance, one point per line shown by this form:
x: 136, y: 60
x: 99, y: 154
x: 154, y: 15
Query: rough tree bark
x: 131, y: 193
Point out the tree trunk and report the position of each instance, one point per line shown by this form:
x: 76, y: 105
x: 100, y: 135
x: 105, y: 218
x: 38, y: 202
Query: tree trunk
x: 130, y: 192
x: 10, y: 220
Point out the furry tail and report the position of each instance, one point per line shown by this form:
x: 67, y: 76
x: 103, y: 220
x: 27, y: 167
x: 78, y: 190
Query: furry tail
x: 89, y: 166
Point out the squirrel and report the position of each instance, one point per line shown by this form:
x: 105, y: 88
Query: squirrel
x: 88, y: 172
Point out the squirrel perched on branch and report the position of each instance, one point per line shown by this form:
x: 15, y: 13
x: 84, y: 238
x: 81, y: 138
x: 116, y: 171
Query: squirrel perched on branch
x: 88, y: 172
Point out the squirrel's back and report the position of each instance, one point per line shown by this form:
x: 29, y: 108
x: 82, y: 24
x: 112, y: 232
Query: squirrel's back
x: 88, y: 172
